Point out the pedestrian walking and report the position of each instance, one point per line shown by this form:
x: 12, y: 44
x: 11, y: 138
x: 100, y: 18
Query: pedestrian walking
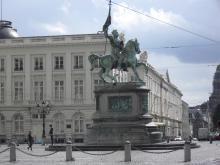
x: 30, y: 141
x: 51, y: 134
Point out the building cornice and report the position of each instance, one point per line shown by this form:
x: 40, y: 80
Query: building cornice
x: 62, y: 40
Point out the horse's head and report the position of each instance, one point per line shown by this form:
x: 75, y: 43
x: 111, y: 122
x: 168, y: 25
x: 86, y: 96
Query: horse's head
x: 136, y: 45
x: 133, y: 45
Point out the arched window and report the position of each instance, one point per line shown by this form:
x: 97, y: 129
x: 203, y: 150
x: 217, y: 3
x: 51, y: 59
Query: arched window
x: 58, y: 123
x: 18, y: 124
x: 78, y: 123
x: 2, y: 124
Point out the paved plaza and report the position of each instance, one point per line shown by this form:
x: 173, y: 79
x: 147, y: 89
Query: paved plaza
x: 207, y: 154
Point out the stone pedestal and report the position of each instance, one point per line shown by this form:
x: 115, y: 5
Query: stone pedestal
x: 121, y: 115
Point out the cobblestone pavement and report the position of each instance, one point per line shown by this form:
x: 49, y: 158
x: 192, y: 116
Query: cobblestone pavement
x: 207, y: 154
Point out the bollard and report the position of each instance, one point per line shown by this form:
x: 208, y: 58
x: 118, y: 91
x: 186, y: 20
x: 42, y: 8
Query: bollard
x: 187, y: 151
x: 127, y: 151
x: 12, y: 152
x: 168, y: 139
x: 69, y: 151
x: 210, y: 140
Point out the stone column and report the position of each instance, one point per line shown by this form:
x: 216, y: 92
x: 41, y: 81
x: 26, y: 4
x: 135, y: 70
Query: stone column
x: 88, y: 80
x: 49, y: 82
x: 68, y: 87
x: 8, y: 83
x: 27, y: 79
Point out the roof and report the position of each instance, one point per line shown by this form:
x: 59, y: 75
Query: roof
x: 6, y: 30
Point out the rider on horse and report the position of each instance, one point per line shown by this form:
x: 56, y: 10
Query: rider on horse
x: 117, y: 46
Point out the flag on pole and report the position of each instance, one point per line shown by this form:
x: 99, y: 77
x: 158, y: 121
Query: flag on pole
x: 108, y: 20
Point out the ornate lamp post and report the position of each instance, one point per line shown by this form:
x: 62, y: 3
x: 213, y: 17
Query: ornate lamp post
x: 43, y: 108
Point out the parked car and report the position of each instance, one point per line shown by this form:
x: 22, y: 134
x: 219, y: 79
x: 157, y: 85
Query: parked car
x: 178, y: 138
x: 216, y: 136
x: 194, y: 139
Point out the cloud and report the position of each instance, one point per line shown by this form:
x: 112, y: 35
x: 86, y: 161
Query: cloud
x: 127, y: 19
x: 56, y: 28
x: 99, y: 3
x: 65, y: 7
x: 193, y: 80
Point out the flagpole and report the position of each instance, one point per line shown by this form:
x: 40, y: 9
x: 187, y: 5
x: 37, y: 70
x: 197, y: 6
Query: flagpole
x: 107, y: 24
x: 1, y: 10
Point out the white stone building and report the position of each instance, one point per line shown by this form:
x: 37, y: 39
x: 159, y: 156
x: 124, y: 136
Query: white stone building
x: 164, y: 102
x: 56, y: 69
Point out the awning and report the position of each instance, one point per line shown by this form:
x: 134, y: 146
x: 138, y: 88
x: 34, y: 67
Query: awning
x: 154, y: 124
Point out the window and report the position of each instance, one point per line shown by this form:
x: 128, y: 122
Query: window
x: 97, y: 83
x: 2, y: 65
x: 38, y: 63
x: 78, y: 123
x: 78, y: 140
x: 18, y: 91
x: 78, y: 62
x: 2, y: 92
x: 18, y: 124
x: 34, y: 116
x: 59, y: 65
x: 2, y: 124
x: 38, y: 90
x: 78, y: 86
x: 18, y: 64
x: 68, y: 126
x: 59, y: 123
x: 42, y: 116
x: 59, y: 90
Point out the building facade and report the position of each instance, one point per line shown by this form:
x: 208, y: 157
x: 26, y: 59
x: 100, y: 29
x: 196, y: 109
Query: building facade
x: 165, y: 103
x: 56, y: 70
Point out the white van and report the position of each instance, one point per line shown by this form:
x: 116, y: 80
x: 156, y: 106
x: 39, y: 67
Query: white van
x: 203, y: 134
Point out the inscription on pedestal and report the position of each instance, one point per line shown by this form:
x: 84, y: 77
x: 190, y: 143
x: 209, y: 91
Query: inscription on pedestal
x: 120, y: 103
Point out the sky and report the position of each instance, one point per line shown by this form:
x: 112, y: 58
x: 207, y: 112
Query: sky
x: 190, y: 59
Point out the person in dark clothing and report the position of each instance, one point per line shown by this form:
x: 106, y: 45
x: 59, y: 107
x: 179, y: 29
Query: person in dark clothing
x: 51, y: 134
x: 30, y: 141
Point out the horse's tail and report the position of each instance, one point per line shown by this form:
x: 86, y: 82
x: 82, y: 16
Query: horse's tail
x: 92, y: 58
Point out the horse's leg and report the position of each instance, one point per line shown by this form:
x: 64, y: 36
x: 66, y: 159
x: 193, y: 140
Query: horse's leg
x: 101, y: 73
x: 135, y: 72
x: 107, y: 74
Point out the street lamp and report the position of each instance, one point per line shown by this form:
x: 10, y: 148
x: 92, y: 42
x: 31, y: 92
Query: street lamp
x: 43, y: 108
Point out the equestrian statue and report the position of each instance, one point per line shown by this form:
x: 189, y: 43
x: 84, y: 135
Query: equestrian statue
x: 122, y: 55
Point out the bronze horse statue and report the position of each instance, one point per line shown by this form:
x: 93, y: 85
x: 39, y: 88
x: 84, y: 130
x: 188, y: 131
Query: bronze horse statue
x: 127, y: 59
